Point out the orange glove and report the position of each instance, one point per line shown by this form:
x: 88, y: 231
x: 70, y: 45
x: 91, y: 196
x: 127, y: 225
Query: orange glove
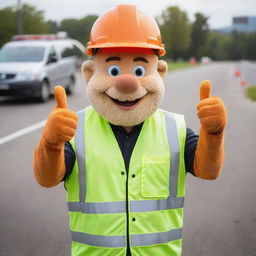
x: 211, y: 111
x: 209, y: 155
x: 49, y: 162
x: 62, y: 122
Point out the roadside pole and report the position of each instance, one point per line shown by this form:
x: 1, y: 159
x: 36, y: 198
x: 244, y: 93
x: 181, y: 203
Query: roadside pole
x: 19, y: 18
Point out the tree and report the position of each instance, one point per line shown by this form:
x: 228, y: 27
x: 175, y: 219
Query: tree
x: 33, y: 22
x: 53, y: 26
x: 250, y: 46
x: 199, y: 34
x: 8, y: 25
x: 236, y: 46
x: 79, y: 28
x: 175, y: 30
x: 215, y: 46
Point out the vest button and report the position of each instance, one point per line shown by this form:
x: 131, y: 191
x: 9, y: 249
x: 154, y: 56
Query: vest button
x: 133, y: 219
x: 133, y: 175
x: 122, y: 173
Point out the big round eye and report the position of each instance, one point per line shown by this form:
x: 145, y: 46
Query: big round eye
x: 139, y: 71
x: 114, y: 70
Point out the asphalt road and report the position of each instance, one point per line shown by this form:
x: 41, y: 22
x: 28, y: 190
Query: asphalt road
x: 220, y: 215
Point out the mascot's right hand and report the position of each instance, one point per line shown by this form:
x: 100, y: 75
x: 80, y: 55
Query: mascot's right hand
x: 62, y: 122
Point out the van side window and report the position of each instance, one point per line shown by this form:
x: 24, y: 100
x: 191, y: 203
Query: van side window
x: 77, y: 52
x: 52, y: 52
x: 67, y: 51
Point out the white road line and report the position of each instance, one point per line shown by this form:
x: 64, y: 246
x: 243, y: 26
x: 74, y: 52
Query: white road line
x: 22, y: 132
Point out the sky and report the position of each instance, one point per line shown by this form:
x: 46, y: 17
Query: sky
x: 220, y: 12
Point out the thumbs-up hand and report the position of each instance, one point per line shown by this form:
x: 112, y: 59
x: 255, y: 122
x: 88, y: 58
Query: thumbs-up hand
x: 211, y: 110
x: 62, y: 122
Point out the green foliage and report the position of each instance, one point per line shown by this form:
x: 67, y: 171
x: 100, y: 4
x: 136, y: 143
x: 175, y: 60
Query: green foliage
x: 234, y: 46
x: 33, y: 22
x: 79, y: 28
x: 215, y: 46
x: 182, y: 38
x: 175, y: 30
x: 53, y: 26
x: 199, y: 35
x: 7, y: 24
x: 250, y: 48
x: 179, y: 65
x: 251, y: 93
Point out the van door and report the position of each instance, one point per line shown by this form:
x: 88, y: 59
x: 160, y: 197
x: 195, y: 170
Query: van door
x: 67, y: 62
x: 53, y: 69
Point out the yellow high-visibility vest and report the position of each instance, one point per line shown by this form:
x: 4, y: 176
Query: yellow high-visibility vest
x: 108, y: 208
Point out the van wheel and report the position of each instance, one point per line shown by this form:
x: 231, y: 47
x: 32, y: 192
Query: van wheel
x: 44, y: 92
x: 71, y: 86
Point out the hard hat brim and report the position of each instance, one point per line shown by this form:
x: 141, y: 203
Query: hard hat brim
x: 161, y: 51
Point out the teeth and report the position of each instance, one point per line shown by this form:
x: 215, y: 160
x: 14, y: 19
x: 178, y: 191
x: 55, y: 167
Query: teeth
x: 126, y: 100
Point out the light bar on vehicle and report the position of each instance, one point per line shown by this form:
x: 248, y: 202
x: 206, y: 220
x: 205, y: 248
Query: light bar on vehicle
x: 36, y: 37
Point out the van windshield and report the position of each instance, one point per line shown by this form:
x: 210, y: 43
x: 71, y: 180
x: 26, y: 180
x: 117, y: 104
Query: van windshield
x: 22, y: 54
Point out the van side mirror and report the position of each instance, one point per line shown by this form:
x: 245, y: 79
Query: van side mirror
x: 52, y: 59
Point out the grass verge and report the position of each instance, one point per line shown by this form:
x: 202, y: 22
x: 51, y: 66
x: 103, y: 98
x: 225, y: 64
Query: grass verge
x: 251, y: 93
x: 179, y: 65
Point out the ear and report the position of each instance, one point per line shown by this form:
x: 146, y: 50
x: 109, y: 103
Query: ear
x: 162, y: 68
x: 88, y: 70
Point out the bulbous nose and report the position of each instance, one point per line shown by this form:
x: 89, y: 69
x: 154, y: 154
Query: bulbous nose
x: 126, y: 83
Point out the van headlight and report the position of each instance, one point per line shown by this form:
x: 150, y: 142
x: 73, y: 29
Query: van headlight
x: 25, y: 76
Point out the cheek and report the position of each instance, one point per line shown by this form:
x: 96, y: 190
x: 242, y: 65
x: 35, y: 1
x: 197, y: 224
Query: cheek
x: 100, y: 83
x: 152, y: 83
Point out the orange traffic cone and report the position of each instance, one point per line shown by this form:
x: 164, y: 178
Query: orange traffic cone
x: 237, y: 73
x: 243, y: 82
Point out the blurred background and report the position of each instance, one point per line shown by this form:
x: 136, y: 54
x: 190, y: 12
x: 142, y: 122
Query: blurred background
x: 221, y: 31
x: 42, y: 44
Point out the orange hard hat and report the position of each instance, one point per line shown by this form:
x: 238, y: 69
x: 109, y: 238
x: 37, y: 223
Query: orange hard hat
x: 125, y: 26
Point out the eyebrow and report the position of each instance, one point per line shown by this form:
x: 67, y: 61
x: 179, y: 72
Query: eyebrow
x: 113, y: 58
x: 141, y: 59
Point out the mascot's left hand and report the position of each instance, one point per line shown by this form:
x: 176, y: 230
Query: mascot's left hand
x: 211, y: 110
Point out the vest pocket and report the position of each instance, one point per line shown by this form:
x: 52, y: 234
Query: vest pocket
x: 155, y: 176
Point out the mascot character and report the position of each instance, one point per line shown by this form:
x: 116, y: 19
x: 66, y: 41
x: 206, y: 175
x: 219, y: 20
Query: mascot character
x: 123, y: 160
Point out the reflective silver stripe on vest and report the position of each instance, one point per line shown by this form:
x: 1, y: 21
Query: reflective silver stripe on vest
x: 98, y: 240
x: 157, y: 205
x: 80, y: 155
x: 97, y: 207
x: 172, y: 135
x: 155, y: 238
x: 120, y: 207
x: 172, y: 202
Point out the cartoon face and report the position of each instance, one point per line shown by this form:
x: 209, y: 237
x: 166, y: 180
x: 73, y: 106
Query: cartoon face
x: 125, y: 88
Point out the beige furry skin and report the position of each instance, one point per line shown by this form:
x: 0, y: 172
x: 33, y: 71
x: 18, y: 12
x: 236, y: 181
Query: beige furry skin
x: 102, y: 88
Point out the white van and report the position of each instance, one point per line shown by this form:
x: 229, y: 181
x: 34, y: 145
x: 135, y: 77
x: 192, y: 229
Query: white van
x: 31, y: 68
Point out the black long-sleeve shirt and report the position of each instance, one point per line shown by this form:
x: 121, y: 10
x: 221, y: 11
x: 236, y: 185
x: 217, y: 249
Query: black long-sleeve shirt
x: 127, y: 141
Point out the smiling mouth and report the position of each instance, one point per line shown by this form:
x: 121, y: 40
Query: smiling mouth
x: 127, y: 104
